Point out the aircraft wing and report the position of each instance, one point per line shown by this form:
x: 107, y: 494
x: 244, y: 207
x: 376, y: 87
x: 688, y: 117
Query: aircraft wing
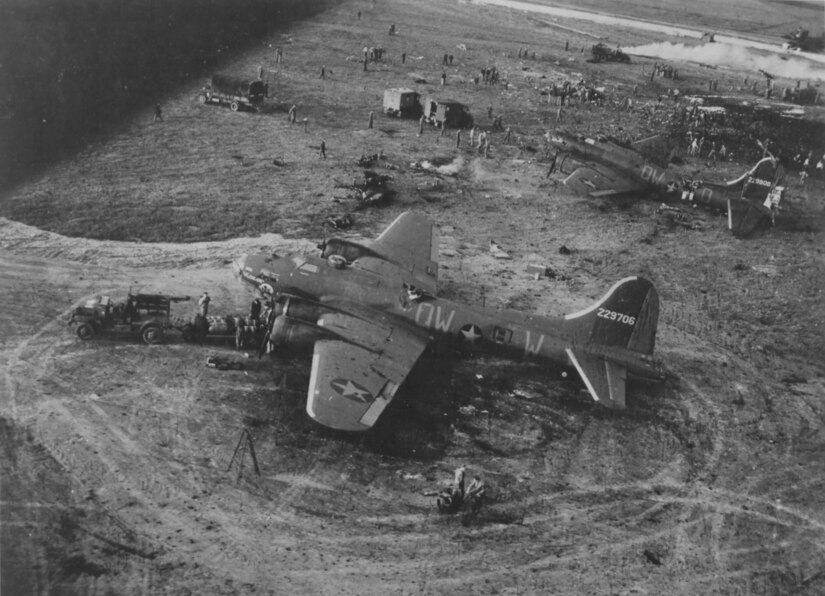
x: 600, y: 182
x: 605, y: 380
x: 354, y: 378
x: 411, y: 241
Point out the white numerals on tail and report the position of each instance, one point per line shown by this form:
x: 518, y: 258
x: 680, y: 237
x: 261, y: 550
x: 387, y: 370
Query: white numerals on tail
x: 612, y: 315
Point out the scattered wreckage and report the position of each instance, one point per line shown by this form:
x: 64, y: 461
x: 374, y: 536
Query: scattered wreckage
x: 370, y: 189
x: 604, y: 168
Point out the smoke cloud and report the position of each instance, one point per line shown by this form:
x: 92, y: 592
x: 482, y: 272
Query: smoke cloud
x: 785, y: 66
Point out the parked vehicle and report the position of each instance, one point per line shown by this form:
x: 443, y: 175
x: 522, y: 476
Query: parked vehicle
x: 452, y: 114
x: 140, y: 315
x: 235, y: 92
x: 402, y: 102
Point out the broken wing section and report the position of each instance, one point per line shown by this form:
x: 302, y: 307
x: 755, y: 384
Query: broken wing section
x: 605, y: 380
x: 602, y: 182
x: 355, y: 378
x: 411, y: 241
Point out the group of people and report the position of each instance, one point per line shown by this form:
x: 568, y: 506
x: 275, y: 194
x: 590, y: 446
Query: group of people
x: 451, y: 499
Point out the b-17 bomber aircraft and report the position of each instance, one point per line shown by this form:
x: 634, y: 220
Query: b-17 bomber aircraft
x: 368, y: 312
x: 601, y: 168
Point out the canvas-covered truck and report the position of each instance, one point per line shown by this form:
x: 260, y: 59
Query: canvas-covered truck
x: 236, y: 92
x: 140, y: 315
x: 402, y: 102
x: 446, y: 112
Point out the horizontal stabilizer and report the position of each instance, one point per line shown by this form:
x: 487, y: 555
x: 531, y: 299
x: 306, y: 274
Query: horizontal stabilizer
x: 605, y: 380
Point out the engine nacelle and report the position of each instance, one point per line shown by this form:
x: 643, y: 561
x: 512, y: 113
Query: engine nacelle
x: 307, y: 311
x: 295, y: 333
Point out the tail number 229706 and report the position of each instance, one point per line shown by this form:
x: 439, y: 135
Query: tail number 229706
x: 612, y: 315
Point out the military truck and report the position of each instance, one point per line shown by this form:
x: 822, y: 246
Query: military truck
x: 236, y: 92
x: 446, y: 112
x: 602, y: 53
x: 140, y: 315
x: 402, y: 102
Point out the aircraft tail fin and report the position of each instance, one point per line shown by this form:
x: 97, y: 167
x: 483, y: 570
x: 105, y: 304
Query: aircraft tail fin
x: 759, y: 197
x: 626, y: 318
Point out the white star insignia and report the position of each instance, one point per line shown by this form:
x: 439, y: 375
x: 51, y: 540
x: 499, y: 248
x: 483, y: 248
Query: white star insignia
x: 471, y: 333
x: 351, y: 390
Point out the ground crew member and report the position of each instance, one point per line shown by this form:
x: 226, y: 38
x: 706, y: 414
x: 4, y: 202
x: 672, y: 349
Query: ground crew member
x: 255, y: 310
x: 443, y: 78
x: 372, y: 118
x: 694, y: 147
x: 443, y: 128
x: 475, y: 493
x: 203, y: 304
x: 323, y: 150
x: 552, y: 165
x: 458, y: 480
x: 403, y: 57
x: 723, y: 152
x: 323, y: 71
x: 458, y: 139
x: 507, y: 136
x: 421, y: 125
x: 158, y: 117
x: 292, y: 114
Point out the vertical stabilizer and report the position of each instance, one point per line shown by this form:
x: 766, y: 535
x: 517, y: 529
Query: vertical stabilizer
x: 626, y: 317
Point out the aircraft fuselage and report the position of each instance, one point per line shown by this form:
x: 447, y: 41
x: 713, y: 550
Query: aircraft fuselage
x: 660, y: 181
x: 475, y: 328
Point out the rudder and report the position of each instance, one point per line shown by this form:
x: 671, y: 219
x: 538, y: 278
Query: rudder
x: 627, y: 317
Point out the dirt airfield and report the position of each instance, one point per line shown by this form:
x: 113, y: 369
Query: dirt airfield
x: 116, y: 475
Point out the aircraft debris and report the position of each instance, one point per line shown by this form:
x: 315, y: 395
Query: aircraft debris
x: 222, y: 363
x: 498, y: 252
x: 372, y: 188
x: 603, y: 168
x: 652, y: 556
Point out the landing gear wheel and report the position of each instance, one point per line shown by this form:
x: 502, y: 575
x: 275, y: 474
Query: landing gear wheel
x: 201, y: 98
x: 85, y: 331
x: 234, y: 106
x: 152, y: 334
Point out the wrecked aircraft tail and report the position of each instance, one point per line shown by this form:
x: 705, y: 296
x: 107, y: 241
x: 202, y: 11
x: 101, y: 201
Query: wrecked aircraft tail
x: 618, y: 334
x: 626, y: 317
x: 759, y: 198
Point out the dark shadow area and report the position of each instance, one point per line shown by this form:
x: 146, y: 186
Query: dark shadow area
x: 72, y: 69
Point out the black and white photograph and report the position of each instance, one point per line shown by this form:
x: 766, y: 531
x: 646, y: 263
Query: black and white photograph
x: 414, y: 297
